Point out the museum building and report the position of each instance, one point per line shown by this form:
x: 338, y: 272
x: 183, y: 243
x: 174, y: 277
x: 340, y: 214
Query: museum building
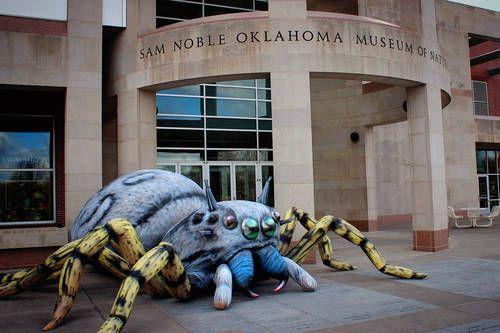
x: 381, y: 112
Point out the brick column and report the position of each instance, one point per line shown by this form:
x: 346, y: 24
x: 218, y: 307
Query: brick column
x: 429, y: 197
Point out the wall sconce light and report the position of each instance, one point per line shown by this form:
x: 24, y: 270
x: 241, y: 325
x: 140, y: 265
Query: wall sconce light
x: 354, y: 137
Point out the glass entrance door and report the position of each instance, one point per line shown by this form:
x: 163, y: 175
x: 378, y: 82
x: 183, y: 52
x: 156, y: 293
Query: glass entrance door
x: 245, y: 182
x: 483, y: 194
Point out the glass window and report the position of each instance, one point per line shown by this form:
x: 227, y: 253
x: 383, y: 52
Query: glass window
x: 171, y: 11
x: 193, y: 172
x: 231, y: 123
x: 179, y: 121
x: 194, y: 90
x: 265, y: 140
x: 230, y: 92
x: 481, y: 161
x: 232, y: 155
x: 264, y: 94
x: 221, y: 122
x: 492, y: 162
x: 179, y: 138
x: 167, y: 167
x: 492, y: 179
x: 480, y: 97
x: 26, y: 169
x: 220, y: 182
x: 264, y: 109
x: 230, y: 108
x: 170, y: 155
x: 179, y: 105
x: 231, y: 139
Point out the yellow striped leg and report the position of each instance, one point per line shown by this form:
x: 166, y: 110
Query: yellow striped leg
x: 25, y: 279
x: 286, y: 231
x: 349, y: 232
x: 324, y: 244
x: 160, y: 258
x: 113, y: 262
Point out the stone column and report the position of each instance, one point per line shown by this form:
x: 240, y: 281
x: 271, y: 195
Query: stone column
x: 292, y: 142
x: 83, y: 156
x: 429, y: 197
x: 136, y: 118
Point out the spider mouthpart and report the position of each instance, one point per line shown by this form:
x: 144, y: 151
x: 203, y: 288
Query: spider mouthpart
x: 213, y: 218
x: 277, y: 216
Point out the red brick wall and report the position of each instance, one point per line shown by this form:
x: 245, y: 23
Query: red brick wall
x: 480, y: 73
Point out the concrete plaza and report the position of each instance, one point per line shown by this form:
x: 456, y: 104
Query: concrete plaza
x: 461, y: 294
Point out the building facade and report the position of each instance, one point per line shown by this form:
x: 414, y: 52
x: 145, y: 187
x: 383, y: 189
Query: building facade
x: 381, y: 112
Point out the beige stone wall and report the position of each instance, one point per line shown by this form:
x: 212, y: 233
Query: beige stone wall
x: 453, y: 23
x: 346, y: 174
x: 393, y: 169
x: 73, y: 62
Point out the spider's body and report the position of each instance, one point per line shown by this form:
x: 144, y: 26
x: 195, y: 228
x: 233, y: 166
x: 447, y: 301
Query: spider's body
x: 160, y: 230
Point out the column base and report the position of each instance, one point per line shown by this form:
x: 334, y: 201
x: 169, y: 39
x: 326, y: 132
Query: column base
x: 365, y: 225
x: 430, y: 240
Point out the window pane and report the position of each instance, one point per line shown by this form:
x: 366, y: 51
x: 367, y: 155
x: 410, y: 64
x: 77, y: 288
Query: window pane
x: 231, y: 108
x: 25, y: 150
x: 265, y: 125
x: 248, y: 4
x: 167, y: 155
x: 179, y: 138
x: 232, y: 155
x: 264, y: 94
x: 265, y: 110
x: 480, y: 91
x: 179, y: 121
x: 266, y: 155
x: 168, y: 167
x: 481, y: 161
x: 265, y: 140
x: 220, y: 182
x: 160, y: 22
x: 245, y: 182
x: 261, y: 5
x: 194, y: 90
x: 493, y: 187
x: 26, y: 196
x: 492, y: 162
x: 179, y: 105
x: 230, y: 92
x: 241, y: 83
x: 183, y: 10
x: 193, y: 172
x: 212, y: 10
x: 263, y: 83
x: 231, y: 139
x: 231, y: 123
x: 481, y: 108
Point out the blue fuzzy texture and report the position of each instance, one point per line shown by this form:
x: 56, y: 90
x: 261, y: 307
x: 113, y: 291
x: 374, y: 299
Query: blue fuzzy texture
x: 241, y: 266
x: 271, y: 262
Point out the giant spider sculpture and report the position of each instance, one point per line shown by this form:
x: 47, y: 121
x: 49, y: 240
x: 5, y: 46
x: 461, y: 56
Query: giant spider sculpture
x: 159, y: 230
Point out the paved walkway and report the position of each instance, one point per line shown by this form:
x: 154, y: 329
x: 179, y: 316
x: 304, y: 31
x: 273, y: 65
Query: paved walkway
x: 462, y: 294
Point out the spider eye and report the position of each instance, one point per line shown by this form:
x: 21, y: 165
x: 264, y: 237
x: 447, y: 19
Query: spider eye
x: 230, y: 222
x: 268, y: 226
x: 213, y: 218
x: 250, y: 228
x: 276, y: 216
x: 197, y: 218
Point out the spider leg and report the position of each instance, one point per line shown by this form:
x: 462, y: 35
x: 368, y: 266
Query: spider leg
x: 125, y: 238
x: 20, y: 281
x: 349, y: 232
x: 286, y: 231
x: 223, y: 280
x: 161, y: 258
x: 324, y: 244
